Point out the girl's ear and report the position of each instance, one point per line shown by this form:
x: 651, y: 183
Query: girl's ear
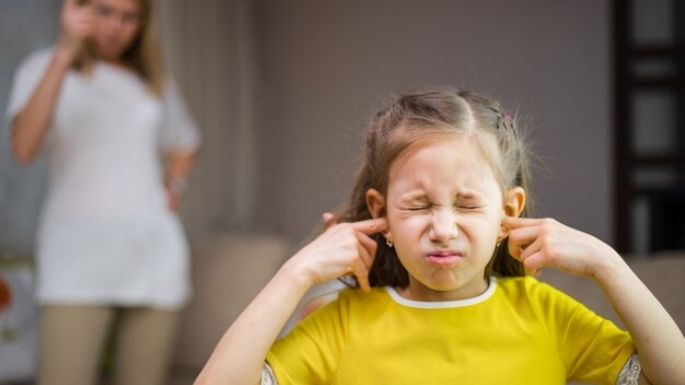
x: 375, y: 203
x: 514, y: 203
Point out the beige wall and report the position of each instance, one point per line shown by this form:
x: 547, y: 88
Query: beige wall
x: 325, y: 66
x: 209, y: 47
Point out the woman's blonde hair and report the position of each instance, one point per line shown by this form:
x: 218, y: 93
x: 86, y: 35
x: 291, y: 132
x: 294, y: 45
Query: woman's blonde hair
x: 143, y: 55
x: 428, y: 115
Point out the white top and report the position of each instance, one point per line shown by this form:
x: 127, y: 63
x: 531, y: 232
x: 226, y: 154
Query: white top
x: 106, y: 235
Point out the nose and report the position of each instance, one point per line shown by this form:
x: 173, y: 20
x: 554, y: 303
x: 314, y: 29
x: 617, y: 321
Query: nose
x: 112, y: 23
x: 444, y: 226
x: 116, y: 24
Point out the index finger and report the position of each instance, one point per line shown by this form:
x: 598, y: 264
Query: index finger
x: 371, y: 226
x: 516, y: 222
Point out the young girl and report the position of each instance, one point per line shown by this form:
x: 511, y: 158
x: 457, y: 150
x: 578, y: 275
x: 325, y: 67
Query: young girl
x: 110, y: 244
x: 434, y: 237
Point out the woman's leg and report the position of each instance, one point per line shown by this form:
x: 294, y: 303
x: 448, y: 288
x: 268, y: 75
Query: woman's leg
x: 144, y: 343
x: 71, y: 342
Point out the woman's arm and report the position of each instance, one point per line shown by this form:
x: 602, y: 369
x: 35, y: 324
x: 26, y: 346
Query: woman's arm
x: 31, y: 124
x: 342, y: 249
x: 660, y: 345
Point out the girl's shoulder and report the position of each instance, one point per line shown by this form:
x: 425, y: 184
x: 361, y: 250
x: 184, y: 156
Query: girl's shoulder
x: 525, y: 284
x: 349, y: 302
x: 355, y: 300
x: 529, y: 290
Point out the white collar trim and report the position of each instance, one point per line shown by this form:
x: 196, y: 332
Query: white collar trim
x: 443, y: 304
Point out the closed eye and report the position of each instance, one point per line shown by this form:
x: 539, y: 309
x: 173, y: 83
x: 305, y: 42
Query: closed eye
x: 415, y: 206
x: 469, y: 207
x: 418, y: 208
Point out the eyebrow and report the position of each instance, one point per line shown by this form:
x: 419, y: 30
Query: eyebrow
x: 414, y: 198
x: 468, y: 195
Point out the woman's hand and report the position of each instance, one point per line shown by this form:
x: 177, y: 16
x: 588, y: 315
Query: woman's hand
x: 541, y: 243
x: 76, y: 23
x: 174, y: 188
x: 344, y: 248
x: 173, y: 200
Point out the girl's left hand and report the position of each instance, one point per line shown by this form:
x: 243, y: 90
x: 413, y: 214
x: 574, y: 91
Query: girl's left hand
x: 542, y: 243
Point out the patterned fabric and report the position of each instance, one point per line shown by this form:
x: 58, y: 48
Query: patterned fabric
x: 631, y: 372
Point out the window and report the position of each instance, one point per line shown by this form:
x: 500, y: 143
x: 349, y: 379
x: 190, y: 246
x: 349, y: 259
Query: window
x: 649, y: 121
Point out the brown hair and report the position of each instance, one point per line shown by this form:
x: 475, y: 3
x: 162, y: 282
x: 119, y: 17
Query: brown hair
x: 421, y: 116
x: 143, y: 55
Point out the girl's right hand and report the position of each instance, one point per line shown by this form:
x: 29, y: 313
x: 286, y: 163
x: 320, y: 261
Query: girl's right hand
x: 76, y: 23
x: 344, y: 248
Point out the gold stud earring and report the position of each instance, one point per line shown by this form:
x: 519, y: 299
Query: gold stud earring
x: 389, y: 243
x: 499, y: 242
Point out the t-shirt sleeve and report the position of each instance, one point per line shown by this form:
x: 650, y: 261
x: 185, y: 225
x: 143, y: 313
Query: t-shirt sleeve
x: 26, y: 79
x: 311, y: 352
x: 179, y: 130
x: 593, y: 349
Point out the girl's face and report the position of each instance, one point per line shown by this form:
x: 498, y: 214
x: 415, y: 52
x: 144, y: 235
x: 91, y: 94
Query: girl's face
x: 444, y: 208
x: 117, y: 23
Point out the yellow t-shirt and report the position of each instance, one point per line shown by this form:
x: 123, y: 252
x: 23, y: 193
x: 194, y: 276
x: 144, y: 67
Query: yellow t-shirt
x: 519, y: 331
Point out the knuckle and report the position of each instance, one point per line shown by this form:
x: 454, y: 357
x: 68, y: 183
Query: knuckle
x: 350, y: 248
x: 552, y: 254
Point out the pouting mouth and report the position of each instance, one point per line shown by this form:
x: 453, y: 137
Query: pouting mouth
x: 444, y: 259
x: 444, y: 254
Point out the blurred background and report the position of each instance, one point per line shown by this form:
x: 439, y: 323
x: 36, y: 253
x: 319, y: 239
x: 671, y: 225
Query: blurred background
x: 282, y: 91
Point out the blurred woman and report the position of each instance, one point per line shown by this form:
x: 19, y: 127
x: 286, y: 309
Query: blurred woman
x: 119, y: 145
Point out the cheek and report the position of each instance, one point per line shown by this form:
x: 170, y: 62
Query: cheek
x: 479, y: 226
x: 407, y: 225
x: 131, y: 29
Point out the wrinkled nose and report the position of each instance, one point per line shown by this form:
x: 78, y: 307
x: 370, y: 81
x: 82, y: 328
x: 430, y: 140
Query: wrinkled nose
x: 444, y: 226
